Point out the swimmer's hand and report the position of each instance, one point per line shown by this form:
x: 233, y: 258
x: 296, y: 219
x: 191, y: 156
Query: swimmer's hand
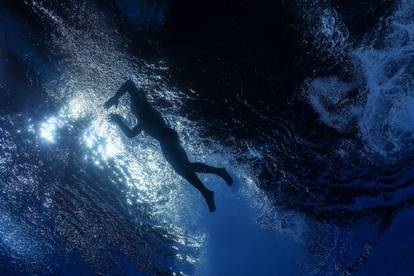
x: 115, y: 119
x: 114, y: 101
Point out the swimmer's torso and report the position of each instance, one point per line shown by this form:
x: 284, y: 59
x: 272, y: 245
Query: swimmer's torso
x: 151, y: 121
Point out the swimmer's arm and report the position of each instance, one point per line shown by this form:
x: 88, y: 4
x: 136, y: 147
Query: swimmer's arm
x: 135, y: 131
x: 128, y: 86
x: 130, y: 133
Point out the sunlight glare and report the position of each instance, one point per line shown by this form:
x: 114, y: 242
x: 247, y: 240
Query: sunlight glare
x: 49, y: 128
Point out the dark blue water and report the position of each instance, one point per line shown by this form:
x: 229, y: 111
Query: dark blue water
x: 314, y: 123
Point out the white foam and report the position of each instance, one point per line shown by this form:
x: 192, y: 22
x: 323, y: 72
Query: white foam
x: 385, y: 76
x: 327, y: 95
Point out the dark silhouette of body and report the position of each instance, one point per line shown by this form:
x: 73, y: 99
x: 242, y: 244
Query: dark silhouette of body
x: 152, y: 123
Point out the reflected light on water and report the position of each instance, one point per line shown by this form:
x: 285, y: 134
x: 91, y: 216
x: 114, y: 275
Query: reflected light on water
x: 102, y: 140
x: 48, y: 129
x: 16, y: 238
x: 138, y: 165
x: 77, y: 108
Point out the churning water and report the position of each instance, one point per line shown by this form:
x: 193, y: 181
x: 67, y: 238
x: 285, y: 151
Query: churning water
x: 78, y: 196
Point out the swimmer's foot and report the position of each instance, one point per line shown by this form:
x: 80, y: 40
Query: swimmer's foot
x: 210, y: 201
x: 226, y: 176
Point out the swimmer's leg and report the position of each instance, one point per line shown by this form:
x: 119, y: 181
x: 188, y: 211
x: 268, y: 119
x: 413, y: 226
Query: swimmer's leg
x: 178, y: 159
x: 204, y: 168
x: 196, y: 182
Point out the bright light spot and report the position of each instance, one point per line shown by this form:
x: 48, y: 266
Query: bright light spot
x: 49, y: 128
x: 102, y: 140
x: 76, y: 108
x: 111, y: 149
x: 89, y: 141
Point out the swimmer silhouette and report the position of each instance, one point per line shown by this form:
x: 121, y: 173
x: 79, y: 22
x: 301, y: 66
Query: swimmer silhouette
x: 152, y: 123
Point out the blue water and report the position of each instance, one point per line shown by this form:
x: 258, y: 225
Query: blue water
x: 78, y: 197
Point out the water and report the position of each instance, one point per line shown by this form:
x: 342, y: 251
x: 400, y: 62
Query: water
x: 371, y: 101
x: 75, y: 141
x: 77, y: 195
x: 382, y: 75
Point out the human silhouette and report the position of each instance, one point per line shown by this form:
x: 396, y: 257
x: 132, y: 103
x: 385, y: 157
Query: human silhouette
x: 153, y: 124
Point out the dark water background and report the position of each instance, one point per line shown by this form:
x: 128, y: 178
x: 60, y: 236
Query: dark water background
x: 308, y: 103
